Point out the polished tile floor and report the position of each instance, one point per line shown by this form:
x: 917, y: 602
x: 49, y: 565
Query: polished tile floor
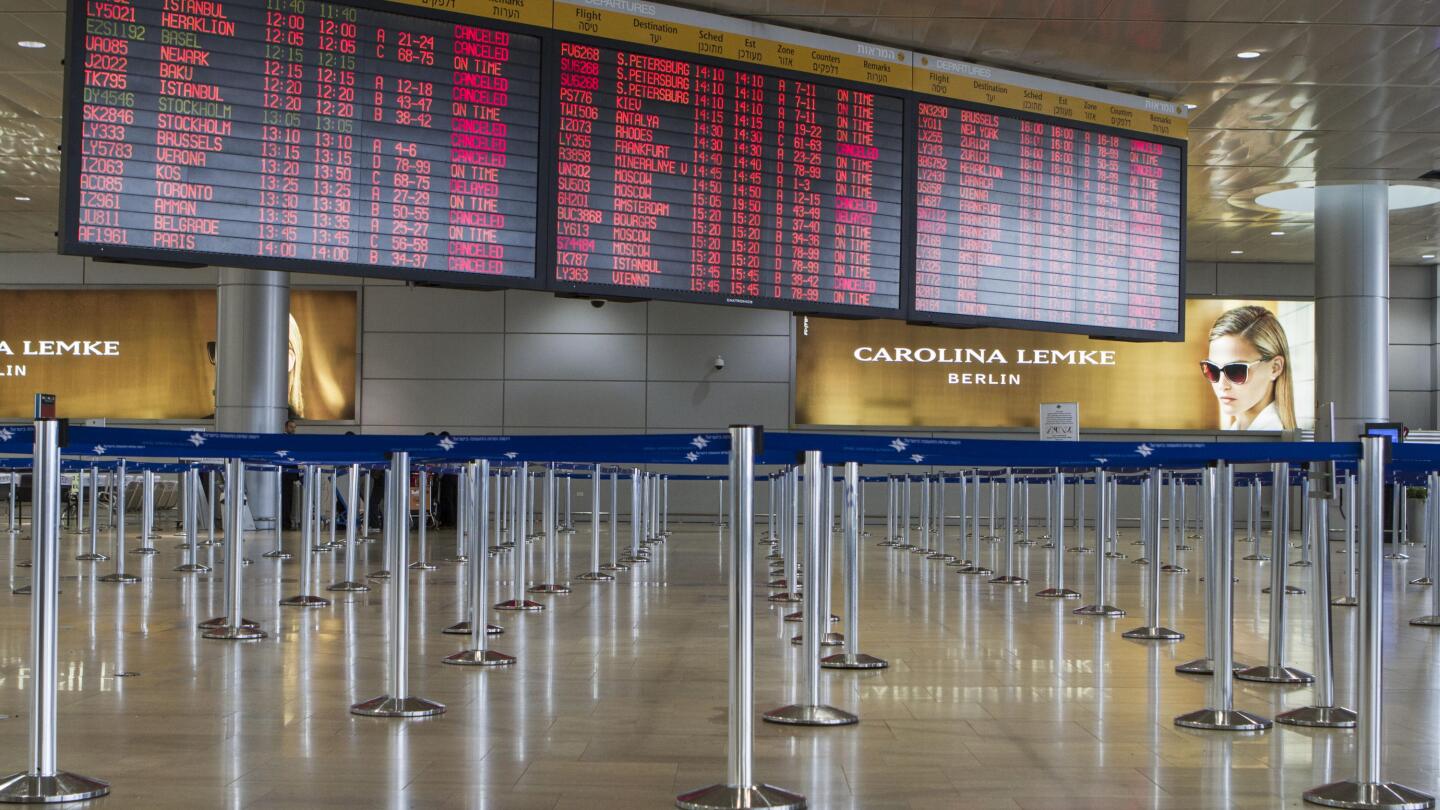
x: 994, y: 698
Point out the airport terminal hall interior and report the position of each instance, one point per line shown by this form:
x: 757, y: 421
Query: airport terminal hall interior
x: 720, y: 404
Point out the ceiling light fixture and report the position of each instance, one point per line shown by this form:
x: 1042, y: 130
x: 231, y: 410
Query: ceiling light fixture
x: 1277, y: 233
x: 31, y: 43
x: 1236, y: 252
x: 1191, y: 106
x: 1301, y: 199
x: 1248, y: 55
x: 1428, y: 256
x: 22, y: 199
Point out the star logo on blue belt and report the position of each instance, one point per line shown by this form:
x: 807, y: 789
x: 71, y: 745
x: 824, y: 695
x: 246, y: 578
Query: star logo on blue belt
x: 899, y: 445
x: 447, y: 443
x: 692, y: 456
x: 1145, y: 450
x: 6, y: 435
x: 916, y: 457
x: 700, y: 442
x: 99, y: 449
x: 196, y: 439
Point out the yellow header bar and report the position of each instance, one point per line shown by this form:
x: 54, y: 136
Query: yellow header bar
x: 743, y: 41
x: 963, y: 81
x: 528, y: 12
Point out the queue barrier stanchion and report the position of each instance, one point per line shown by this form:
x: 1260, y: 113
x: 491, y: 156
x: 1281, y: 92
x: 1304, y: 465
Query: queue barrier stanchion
x: 93, y: 555
x: 464, y: 506
x: 398, y: 702
x: 190, y: 493
x: 518, y: 526
x: 1080, y: 547
x: 1009, y: 577
x: 1056, y: 497
x: 596, y: 574
x: 1152, y: 630
x: 1323, y: 713
x: 1432, y: 560
x: 422, y: 526
x: 366, y: 490
x: 43, y: 781
x: 890, y: 496
x: 1102, y: 523
x: 12, y: 518
x: 1174, y: 535
x: 1211, y: 533
x: 740, y: 790
x: 462, y: 541
x: 1257, y: 519
x: 1368, y: 790
x: 939, y: 553
x: 1398, y: 527
x: 614, y: 564
x: 1428, y: 538
x: 352, y: 550
x: 279, y: 552
x: 852, y: 659
x: 387, y: 538
x: 147, y: 513
x: 477, y: 484
x: 549, y: 517
x: 210, y: 510
x: 118, y: 575
x: 1352, y: 517
x: 233, y: 626
x: 812, y: 710
x: 1274, y: 670
x: 789, y: 528
x: 307, y: 550
x: 819, y: 568
x: 637, y: 520
x: 1221, y: 714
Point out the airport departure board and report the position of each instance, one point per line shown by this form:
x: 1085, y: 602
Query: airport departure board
x: 305, y: 135
x: 1057, y: 223
x: 679, y: 178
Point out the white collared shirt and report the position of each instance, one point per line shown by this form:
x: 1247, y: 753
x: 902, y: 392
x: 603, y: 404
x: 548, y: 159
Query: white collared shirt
x: 1267, y: 419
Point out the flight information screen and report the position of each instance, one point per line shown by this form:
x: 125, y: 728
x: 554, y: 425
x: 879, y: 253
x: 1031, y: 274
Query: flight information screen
x: 302, y: 135
x: 1046, y: 224
x: 680, y: 179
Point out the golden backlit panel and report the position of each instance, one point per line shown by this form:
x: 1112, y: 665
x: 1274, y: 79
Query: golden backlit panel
x: 1143, y: 386
x: 141, y: 354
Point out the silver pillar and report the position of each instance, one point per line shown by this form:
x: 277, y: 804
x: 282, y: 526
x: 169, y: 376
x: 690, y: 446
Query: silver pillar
x: 1352, y: 300
x: 252, y: 339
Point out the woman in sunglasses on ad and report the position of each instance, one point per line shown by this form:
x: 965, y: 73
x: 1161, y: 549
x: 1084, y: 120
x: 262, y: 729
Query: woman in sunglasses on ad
x: 1249, y: 370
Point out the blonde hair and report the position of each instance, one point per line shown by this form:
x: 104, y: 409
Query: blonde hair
x: 1260, y: 326
x: 297, y: 374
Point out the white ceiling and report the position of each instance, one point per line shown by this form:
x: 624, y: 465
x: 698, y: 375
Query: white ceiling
x: 1344, y: 90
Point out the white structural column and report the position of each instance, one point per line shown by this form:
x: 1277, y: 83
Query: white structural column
x: 252, y: 351
x: 1352, y: 304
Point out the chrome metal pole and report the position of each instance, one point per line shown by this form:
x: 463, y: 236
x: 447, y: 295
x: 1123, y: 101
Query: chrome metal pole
x: 569, y: 525
x: 422, y: 523
x: 1153, y: 493
x: 1257, y: 506
x: 906, y: 515
x: 889, y: 514
x: 279, y: 552
x: 549, y: 519
x: 190, y: 492
x: 614, y: 564
x: 1102, y: 521
x: 853, y: 659
x: 1009, y: 577
x: 366, y: 490
x: 924, y: 546
x: 118, y: 575
x: 1307, y: 527
x: 790, y: 526
x: 43, y: 781
x: 1056, y: 491
x: 1352, y: 516
x: 1221, y: 715
x: 596, y: 574
x: 1274, y: 669
x: 740, y: 790
x: 476, y: 481
x: 93, y: 555
x: 812, y: 710
x: 233, y: 626
x: 352, y: 511
x: 939, y: 552
x: 147, y: 513
x: 399, y: 702
x: 1432, y: 559
x: 1367, y: 790
x: 518, y: 525
x: 637, y: 519
x: 312, y: 478
x: 1203, y: 666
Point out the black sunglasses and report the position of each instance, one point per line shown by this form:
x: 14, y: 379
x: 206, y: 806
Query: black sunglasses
x: 1237, y: 372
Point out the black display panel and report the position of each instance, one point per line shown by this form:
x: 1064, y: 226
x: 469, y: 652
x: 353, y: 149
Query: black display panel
x: 683, y: 179
x: 302, y: 135
x: 1046, y: 224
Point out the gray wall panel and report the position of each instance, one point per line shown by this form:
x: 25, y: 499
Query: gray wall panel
x: 1411, y: 321
x: 1410, y: 368
x: 46, y: 269
x: 695, y: 405
x: 575, y: 357
x: 672, y: 317
x: 543, y: 312
x: 582, y: 405
x: 453, y: 404
x: 437, y: 356
x: 428, y: 309
x: 747, y: 359
x: 1414, y: 408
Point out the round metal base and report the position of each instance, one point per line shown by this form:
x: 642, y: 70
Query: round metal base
x: 304, y: 600
x: 887, y: 544
x: 1184, y: 547
x: 221, y: 621
x: 146, y: 550
x: 519, y: 604
x: 1397, y: 555
x: 96, y: 557
x: 948, y: 558
x: 349, y: 587
x: 957, y: 563
x: 463, y: 629
x: 851, y: 660
x: 1257, y: 557
x: 1268, y: 674
x: 777, y: 583
x: 1153, y: 634
x: 785, y: 597
x: 23, y: 590
x: 1204, y: 666
x: 123, y: 579
x: 547, y: 588
x: 478, y: 658
x: 1290, y: 590
x: 1171, y: 568
x: 1058, y: 593
x: 378, y: 575
x: 192, y: 568
x: 979, y: 571
x: 420, y: 565
x: 631, y: 559
x: 735, y: 797
x: 462, y: 558
x: 27, y: 788
x: 1114, y: 555
x: 1345, y: 601
x: 1426, y: 621
x: 1421, y: 581
x: 1369, y: 796
x: 1301, y: 564
x: 796, y: 715
x: 827, y: 640
x: 1079, y: 550
x: 277, y: 554
x: 614, y: 567
x: 1098, y: 610
x: 1009, y: 580
x: 1140, y: 561
x: 241, y: 633
x: 1223, y: 720
x: 386, y: 706
x: 799, y: 616
x: 1318, y: 717
x: 595, y: 576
